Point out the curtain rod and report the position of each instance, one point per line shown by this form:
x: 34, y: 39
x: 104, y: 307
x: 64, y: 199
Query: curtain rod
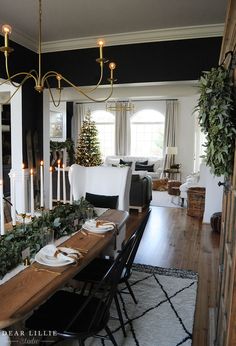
x: 130, y: 101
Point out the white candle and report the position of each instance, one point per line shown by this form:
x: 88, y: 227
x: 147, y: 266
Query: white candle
x: 58, y: 181
x: 32, y: 192
x: 71, y: 199
x: 1, y: 208
x: 64, y: 183
x: 13, y: 200
x: 50, y: 188
x: 41, y: 184
x: 23, y: 188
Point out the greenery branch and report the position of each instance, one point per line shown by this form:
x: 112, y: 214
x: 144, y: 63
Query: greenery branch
x: 217, y: 119
x: 61, y: 219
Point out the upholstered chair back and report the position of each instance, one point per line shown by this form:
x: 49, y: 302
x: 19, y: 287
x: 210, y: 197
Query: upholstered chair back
x: 101, y: 180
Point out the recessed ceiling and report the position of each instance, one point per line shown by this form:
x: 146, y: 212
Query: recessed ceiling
x: 72, y: 20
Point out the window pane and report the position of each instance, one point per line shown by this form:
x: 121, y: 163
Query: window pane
x: 147, y: 133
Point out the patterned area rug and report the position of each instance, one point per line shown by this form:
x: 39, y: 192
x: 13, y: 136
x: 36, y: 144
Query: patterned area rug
x: 164, y: 314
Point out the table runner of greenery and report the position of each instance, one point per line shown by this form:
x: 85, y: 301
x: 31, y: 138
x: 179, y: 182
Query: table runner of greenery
x: 63, y: 219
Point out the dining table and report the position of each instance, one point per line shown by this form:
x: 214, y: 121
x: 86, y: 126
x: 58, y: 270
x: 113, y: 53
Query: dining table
x: 29, y: 288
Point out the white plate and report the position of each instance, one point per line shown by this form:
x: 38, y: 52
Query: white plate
x: 43, y: 257
x: 97, y: 229
x: 93, y: 223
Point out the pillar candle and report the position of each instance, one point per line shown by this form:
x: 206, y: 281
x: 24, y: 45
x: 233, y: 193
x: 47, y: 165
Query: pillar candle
x: 41, y: 184
x: 23, y: 189
x: 64, y: 183
x: 13, y: 199
x: 58, y: 181
x: 32, y: 192
x: 1, y: 208
x: 50, y: 188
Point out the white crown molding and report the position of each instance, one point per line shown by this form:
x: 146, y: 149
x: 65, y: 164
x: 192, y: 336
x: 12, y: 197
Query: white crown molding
x: 182, y: 33
x: 171, y: 34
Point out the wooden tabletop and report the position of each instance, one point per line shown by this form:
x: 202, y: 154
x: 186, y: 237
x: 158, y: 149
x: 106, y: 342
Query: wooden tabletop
x: 32, y: 286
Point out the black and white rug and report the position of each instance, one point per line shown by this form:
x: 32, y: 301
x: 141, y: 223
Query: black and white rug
x: 164, y: 315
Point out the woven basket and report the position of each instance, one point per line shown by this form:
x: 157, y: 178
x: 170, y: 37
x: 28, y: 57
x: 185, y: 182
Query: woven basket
x: 196, y: 201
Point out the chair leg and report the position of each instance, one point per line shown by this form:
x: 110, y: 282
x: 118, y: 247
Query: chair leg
x: 109, y: 333
x: 131, y: 291
x: 120, y: 314
x: 81, y: 342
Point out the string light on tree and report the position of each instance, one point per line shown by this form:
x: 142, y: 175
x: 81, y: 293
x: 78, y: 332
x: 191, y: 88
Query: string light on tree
x: 88, y: 150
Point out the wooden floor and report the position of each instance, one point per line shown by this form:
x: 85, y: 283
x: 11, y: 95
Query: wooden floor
x: 174, y: 240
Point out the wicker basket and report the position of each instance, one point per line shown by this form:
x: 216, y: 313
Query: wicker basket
x: 196, y: 201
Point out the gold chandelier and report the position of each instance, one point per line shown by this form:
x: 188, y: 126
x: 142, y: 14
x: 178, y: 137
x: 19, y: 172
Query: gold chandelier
x: 43, y: 80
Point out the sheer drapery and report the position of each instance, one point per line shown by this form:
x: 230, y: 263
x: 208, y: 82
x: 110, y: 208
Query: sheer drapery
x: 122, y: 129
x: 77, y: 120
x: 170, y: 132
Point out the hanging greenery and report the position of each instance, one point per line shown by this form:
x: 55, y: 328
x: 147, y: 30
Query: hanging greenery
x: 217, y: 120
x: 63, y: 219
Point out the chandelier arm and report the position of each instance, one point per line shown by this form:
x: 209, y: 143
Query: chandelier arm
x: 27, y: 75
x: 98, y: 83
x: 78, y: 89
x: 17, y: 87
x: 52, y: 97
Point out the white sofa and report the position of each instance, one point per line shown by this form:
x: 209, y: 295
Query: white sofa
x: 152, y: 160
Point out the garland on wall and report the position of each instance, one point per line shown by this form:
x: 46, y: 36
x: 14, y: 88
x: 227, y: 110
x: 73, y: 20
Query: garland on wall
x: 217, y: 119
x: 63, y: 219
x: 68, y: 145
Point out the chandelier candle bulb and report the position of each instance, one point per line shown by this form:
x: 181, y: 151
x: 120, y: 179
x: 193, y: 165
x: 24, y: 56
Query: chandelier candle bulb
x: 101, y: 44
x: 32, y: 192
x: 64, y: 183
x: 58, y: 181
x: 50, y: 188
x: 1, y: 208
x: 41, y: 184
x: 6, y: 30
x: 112, y: 66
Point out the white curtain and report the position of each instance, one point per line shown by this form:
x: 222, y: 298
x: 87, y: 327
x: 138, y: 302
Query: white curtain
x: 122, y: 129
x: 77, y: 120
x: 170, y: 133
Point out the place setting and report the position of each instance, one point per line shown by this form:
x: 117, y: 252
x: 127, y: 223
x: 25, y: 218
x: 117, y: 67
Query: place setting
x: 96, y: 226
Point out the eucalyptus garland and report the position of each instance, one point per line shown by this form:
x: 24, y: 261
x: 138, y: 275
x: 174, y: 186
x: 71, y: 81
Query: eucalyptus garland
x: 63, y: 219
x: 217, y: 120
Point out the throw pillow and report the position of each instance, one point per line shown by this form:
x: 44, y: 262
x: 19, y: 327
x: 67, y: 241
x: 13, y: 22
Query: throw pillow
x: 137, y: 163
x: 126, y: 163
x: 148, y: 168
x: 102, y: 201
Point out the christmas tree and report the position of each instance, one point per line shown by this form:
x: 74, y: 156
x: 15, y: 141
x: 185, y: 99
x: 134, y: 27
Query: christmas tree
x: 88, y: 149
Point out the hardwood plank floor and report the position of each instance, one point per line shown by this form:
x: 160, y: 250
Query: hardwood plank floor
x: 173, y: 239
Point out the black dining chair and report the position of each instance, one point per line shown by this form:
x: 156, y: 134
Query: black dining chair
x: 93, y: 273
x: 79, y: 316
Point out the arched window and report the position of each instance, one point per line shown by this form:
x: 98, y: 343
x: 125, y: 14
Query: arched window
x: 147, y: 133
x: 105, y: 123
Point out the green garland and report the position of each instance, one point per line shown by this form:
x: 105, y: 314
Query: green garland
x: 61, y: 219
x: 68, y: 145
x: 217, y: 120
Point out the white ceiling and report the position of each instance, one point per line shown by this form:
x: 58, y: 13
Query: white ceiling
x: 69, y: 24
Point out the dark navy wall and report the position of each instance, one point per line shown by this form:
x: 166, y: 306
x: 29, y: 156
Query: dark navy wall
x: 136, y: 63
x: 147, y: 62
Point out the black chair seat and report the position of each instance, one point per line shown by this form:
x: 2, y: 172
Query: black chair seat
x: 95, y: 270
x: 57, y: 312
